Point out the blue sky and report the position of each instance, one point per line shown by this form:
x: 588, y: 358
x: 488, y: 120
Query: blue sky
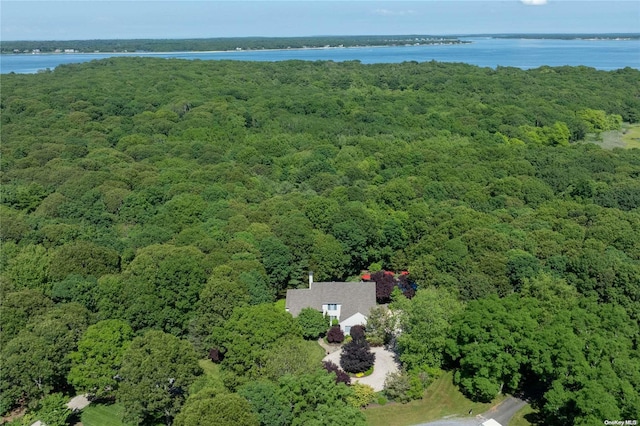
x: 91, y: 19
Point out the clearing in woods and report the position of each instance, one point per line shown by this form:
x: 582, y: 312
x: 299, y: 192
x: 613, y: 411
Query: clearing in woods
x: 628, y: 137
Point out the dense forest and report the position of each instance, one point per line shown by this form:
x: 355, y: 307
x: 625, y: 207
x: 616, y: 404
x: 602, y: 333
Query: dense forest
x: 158, y: 209
x: 212, y: 44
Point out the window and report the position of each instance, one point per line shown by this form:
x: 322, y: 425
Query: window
x: 347, y: 329
x: 332, y: 307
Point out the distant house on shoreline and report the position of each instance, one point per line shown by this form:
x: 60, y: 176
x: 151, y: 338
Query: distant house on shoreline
x: 348, y: 303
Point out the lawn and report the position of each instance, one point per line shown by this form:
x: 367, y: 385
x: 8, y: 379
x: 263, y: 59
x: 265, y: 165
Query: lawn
x: 441, y: 399
x: 520, y: 418
x: 102, y: 415
x: 315, y: 352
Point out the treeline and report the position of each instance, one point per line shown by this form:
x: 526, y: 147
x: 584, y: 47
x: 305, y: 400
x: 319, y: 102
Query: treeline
x: 222, y: 43
x: 161, y: 206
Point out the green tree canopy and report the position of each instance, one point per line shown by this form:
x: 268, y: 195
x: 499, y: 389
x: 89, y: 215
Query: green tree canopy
x: 248, y: 337
x: 96, y: 362
x: 313, y: 323
x: 157, y: 370
x: 224, y: 410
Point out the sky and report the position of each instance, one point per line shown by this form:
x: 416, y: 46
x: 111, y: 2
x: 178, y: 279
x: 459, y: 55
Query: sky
x: 96, y: 19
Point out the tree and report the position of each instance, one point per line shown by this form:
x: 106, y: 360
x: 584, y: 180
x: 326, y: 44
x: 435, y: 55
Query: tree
x: 82, y: 258
x: 492, y: 337
x: 247, y: 338
x: 224, y: 410
x: 341, y: 376
x: 166, y: 276
x: 62, y: 327
x: 157, y: 370
x: 357, y: 357
x: 277, y: 260
x: 315, y: 398
x: 385, y: 283
x: 28, y: 369
x: 380, y: 326
x: 98, y: 358
x: 520, y: 266
x: 397, y: 387
x: 52, y: 410
x: 357, y: 332
x: 328, y: 259
x: 335, y: 335
x: 313, y: 323
x: 288, y: 356
x: 425, y: 321
x: 267, y: 402
x: 217, y: 300
x: 257, y: 287
x: 76, y: 288
x: 28, y: 269
x: 16, y: 310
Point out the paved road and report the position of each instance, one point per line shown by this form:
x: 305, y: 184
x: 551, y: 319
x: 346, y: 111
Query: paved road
x: 501, y: 413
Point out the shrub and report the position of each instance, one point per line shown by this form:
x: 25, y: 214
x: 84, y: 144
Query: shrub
x: 362, y: 396
x: 375, y: 340
x: 335, y: 335
x: 357, y: 332
x: 341, y: 376
x: 396, y: 387
x: 357, y: 357
x: 382, y: 400
x: 404, y: 387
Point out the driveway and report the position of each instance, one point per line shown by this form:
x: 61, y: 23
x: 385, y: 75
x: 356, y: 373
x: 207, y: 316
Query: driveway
x: 501, y: 413
x: 385, y: 364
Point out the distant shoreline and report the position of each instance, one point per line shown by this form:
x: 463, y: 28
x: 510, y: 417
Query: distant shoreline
x: 187, y: 52
x: 479, y: 51
x: 251, y: 44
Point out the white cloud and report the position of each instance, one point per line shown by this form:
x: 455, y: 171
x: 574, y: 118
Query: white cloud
x: 534, y: 2
x: 387, y: 12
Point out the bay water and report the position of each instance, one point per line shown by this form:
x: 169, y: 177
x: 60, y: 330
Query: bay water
x: 602, y: 54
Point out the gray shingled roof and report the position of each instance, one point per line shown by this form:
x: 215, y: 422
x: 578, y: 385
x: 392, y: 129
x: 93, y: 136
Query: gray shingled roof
x: 354, y: 298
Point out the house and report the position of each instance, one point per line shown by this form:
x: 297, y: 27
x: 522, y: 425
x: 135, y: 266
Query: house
x: 349, y: 303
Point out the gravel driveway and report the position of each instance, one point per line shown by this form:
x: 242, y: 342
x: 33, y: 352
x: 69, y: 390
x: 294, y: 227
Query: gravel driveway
x: 385, y: 364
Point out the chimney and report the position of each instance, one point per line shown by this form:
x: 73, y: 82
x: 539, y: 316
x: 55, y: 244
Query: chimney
x: 310, y: 278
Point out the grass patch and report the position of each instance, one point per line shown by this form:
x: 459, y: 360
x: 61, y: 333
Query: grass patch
x: 314, y: 351
x: 103, y: 415
x: 631, y: 135
x: 210, y: 379
x: 210, y: 369
x: 442, y: 398
x: 520, y: 418
x: 627, y: 138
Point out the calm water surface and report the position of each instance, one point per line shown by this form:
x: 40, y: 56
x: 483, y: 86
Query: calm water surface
x: 485, y: 52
